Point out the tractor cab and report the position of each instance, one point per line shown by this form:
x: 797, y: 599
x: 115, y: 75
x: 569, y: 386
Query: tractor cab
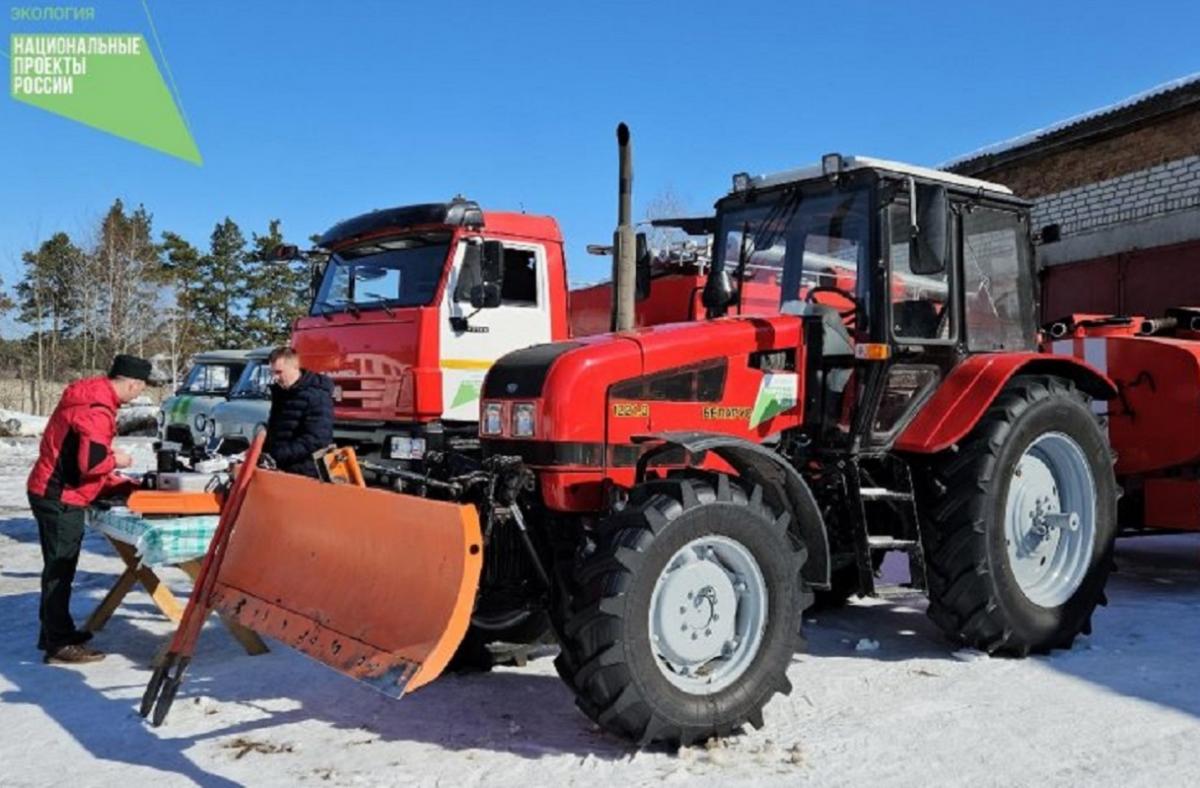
x: 898, y: 271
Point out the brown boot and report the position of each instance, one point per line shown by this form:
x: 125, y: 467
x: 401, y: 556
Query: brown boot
x: 73, y: 654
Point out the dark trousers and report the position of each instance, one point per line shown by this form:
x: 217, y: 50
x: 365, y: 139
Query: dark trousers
x: 60, y: 528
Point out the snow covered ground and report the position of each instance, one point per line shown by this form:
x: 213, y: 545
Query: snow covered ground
x: 1122, y: 708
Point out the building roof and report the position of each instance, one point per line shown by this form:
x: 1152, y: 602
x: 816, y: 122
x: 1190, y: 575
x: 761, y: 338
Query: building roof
x: 863, y: 162
x: 1160, y: 100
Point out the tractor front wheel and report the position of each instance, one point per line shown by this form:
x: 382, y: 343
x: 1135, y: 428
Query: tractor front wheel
x: 1020, y: 522
x: 687, y: 614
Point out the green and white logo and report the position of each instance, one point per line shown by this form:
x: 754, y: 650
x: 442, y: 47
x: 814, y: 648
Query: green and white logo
x: 778, y: 392
x: 107, y: 81
x: 468, y: 391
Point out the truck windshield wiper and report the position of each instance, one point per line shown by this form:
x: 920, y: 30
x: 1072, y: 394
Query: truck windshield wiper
x: 345, y: 303
x: 382, y: 302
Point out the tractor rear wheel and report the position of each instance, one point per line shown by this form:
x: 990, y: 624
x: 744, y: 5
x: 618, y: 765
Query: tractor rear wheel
x: 687, y: 613
x: 1020, y: 522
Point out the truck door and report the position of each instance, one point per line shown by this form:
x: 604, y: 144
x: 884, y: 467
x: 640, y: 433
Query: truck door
x: 521, y: 320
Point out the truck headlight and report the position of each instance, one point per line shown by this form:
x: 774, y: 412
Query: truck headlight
x: 402, y: 447
x: 492, y: 419
x: 522, y: 420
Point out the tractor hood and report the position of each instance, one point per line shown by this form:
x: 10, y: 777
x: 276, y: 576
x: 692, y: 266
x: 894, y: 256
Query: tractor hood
x: 571, y: 381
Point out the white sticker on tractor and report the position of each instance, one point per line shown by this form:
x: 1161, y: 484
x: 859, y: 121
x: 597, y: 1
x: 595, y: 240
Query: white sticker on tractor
x: 778, y: 392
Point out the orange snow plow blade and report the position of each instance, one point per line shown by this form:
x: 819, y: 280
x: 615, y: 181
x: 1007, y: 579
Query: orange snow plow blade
x: 377, y: 585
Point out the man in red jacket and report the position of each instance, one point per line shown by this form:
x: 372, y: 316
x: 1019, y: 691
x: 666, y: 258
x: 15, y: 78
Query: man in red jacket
x: 74, y: 466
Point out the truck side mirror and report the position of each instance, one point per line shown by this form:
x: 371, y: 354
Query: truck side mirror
x: 642, y: 268
x: 316, y: 275
x: 285, y: 253
x: 929, y: 244
x: 470, y: 273
x: 492, y: 267
x: 485, y: 296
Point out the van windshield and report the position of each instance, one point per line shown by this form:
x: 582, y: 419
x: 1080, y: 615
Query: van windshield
x: 392, y: 272
x: 254, y: 382
x: 209, y: 378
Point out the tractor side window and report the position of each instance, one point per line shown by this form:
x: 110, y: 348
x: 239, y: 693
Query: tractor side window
x: 919, y: 302
x: 997, y: 281
x: 520, y: 277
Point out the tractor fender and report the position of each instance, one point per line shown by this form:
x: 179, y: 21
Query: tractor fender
x: 783, y: 487
x: 968, y: 391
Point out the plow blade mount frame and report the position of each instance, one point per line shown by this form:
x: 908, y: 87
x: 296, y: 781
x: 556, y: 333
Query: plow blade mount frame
x: 377, y: 585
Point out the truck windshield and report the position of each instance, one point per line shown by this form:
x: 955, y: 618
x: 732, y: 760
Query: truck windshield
x: 381, y: 274
x: 799, y: 240
x: 254, y: 382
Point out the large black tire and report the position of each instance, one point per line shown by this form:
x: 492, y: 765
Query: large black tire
x: 607, y: 657
x: 974, y: 596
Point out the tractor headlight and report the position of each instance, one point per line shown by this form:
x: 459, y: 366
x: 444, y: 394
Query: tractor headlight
x: 522, y: 420
x: 162, y: 418
x: 200, y: 422
x: 402, y: 447
x: 492, y: 420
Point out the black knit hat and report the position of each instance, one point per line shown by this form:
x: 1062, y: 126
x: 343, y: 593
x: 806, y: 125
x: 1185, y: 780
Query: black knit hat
x: 125, y: 366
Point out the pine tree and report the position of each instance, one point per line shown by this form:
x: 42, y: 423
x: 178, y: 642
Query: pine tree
x: 47, y: 299
x: 180, y: 277
x: 219, y: 303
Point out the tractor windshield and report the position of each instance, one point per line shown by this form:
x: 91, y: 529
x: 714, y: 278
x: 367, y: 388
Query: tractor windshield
x: 800, y: 241
x: 391, y: 272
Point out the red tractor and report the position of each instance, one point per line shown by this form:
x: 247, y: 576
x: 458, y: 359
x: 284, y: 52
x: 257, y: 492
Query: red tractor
x: 672, y: 496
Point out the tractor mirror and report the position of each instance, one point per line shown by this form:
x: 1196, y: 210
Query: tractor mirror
x: 492, y: 268
x: 485, y: 296
x: 718, y: 292
x: 642, y: 268
x: 930, y: 240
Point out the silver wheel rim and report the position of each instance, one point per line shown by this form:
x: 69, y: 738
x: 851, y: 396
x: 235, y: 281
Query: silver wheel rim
x: 708, y: 614
x: 1050, y: 519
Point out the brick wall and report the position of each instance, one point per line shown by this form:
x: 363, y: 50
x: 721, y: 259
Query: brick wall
x: 1156, y: 190
x: 1160, y: 141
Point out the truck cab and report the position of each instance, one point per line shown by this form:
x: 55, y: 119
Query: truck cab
x: 411, y: 309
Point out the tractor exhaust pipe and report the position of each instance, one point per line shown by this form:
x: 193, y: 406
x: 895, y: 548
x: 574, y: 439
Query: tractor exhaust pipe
x: 1158, y: 326
x: 624, y: 275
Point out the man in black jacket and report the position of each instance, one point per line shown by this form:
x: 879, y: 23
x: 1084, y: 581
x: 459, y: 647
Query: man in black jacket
x: 301, y: 420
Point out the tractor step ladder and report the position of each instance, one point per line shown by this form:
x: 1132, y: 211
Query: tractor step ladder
x: 903, y: 503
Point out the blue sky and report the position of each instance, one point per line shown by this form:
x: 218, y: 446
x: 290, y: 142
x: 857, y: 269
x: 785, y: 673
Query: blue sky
x: 312, y: 112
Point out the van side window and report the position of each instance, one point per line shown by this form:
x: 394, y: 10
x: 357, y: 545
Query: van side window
x: 520, y: 277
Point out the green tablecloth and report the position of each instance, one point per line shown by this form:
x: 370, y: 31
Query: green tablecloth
x: 157, y: 540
